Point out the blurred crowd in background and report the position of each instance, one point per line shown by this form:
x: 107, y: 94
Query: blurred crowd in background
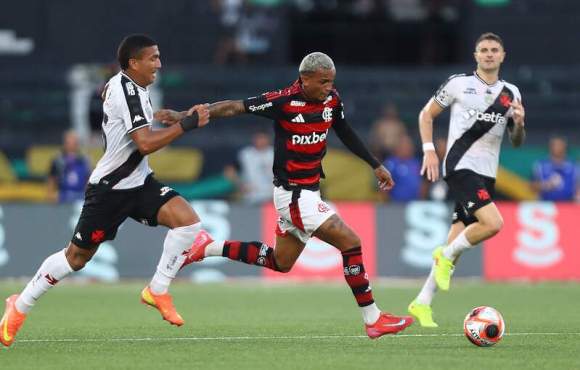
x: 390, y: 54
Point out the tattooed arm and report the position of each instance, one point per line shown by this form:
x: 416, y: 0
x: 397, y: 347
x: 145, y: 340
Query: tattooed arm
x: 226, y: 108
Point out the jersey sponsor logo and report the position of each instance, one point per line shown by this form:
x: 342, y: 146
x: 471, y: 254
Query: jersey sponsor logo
x: 297, y: 103
x: 138, y: 118
x: 130, y: 88
x: 327, y: 114
x: 486, y: 117
x: 299, y: 119
x: 254, y: 108
x: 470, y: 91
x: 313, y: 138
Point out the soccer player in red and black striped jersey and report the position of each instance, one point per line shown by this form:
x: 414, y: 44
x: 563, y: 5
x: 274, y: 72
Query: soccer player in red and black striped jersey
x: 303, y: 114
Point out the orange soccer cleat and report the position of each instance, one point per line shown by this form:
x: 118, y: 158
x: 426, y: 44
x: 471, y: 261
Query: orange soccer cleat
x: 11, y: 321
x: 388, y: 324
x: 163, y: 303
x: 197, y: 251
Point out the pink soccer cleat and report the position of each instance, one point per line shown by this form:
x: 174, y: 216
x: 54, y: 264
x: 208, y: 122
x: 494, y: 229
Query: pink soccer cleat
x: 197, y: 251
x: 388, y: 324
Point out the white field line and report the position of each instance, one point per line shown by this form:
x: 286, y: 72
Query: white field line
x: 243, y: 338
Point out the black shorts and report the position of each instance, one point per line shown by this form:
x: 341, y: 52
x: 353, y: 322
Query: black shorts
x: 471, y: 191
x: 105, y: 210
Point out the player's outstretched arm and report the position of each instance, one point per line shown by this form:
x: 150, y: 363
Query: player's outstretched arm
x: 149, y: 141
x: 517, y: 130
x: 226, y: 108
x: 353, y: 142
x: 169, y: 117
x: 430, y: 165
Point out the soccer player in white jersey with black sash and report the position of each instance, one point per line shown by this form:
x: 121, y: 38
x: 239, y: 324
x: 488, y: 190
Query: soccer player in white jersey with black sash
x: 482, y: 106
x: 121, y: 186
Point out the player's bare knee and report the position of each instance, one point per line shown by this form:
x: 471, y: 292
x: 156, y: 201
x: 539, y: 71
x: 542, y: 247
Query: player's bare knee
x: 77, y: 258
x: 494, y: 225
x: 497, y: 225
x: 284, y: 268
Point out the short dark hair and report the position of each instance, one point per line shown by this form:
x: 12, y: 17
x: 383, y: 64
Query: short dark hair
x: 489, y: 36
x: 130, y: 48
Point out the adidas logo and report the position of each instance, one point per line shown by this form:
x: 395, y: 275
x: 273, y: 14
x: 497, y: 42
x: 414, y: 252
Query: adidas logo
x: 298, y: 119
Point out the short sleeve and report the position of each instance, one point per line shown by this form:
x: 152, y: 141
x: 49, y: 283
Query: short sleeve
x: 131, y: 107
x: 446, y: 93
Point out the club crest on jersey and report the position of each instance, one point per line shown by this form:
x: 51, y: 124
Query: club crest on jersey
x: 327, y: 114
x: 313, y: 138
x: 505, y: 100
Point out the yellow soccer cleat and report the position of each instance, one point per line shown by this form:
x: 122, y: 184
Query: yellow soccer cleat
x: 423, y: 313
x: 443, y: 269
x: 163, y: 303
x: 11, y: 321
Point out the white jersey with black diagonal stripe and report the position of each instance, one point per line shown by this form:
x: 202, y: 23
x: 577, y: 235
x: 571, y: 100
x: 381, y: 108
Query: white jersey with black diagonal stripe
x: 126, y: 108
x: 469, y: 98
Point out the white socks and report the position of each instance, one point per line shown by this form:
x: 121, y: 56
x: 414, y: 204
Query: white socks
x: 215, y: 248
x: 53, y: 269
x: 177, y: 241
x: 370, y: 313
x: 429, y: 288
x: 457, y: 246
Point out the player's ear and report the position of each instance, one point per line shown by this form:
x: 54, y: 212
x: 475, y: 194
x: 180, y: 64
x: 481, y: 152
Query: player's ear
x: 132, y: 63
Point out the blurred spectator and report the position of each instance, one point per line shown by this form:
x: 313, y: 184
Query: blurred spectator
x: 439, y: 190
x: 556, y: 178
x: 230, y: 13
x: 405, y: 169
x: 69, y: 172
x: 257, y: 28
x: 255, y: 161
x: 387, y: 132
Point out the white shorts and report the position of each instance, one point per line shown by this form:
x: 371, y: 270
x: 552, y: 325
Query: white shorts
x: 300, y: 212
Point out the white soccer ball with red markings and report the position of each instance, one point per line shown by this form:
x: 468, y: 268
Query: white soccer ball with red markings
x: 484, y: 326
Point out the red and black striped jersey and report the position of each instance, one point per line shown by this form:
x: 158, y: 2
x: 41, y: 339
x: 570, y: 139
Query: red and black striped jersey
x: 301, y: 127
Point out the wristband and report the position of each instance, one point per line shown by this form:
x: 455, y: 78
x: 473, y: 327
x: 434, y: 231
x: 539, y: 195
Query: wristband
x: 428, y: 146
x: 190, y: 122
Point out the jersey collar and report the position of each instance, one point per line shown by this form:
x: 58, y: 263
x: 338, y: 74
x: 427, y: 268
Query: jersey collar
x: 135, y: 83
x: 483, y: 81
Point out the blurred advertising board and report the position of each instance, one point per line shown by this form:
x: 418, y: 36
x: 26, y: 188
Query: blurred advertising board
x: 539, y: 241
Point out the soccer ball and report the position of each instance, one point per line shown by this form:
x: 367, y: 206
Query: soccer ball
x: 484, y: 326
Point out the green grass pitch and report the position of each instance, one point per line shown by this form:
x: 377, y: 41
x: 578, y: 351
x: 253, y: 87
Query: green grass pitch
x: 248, y: 325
